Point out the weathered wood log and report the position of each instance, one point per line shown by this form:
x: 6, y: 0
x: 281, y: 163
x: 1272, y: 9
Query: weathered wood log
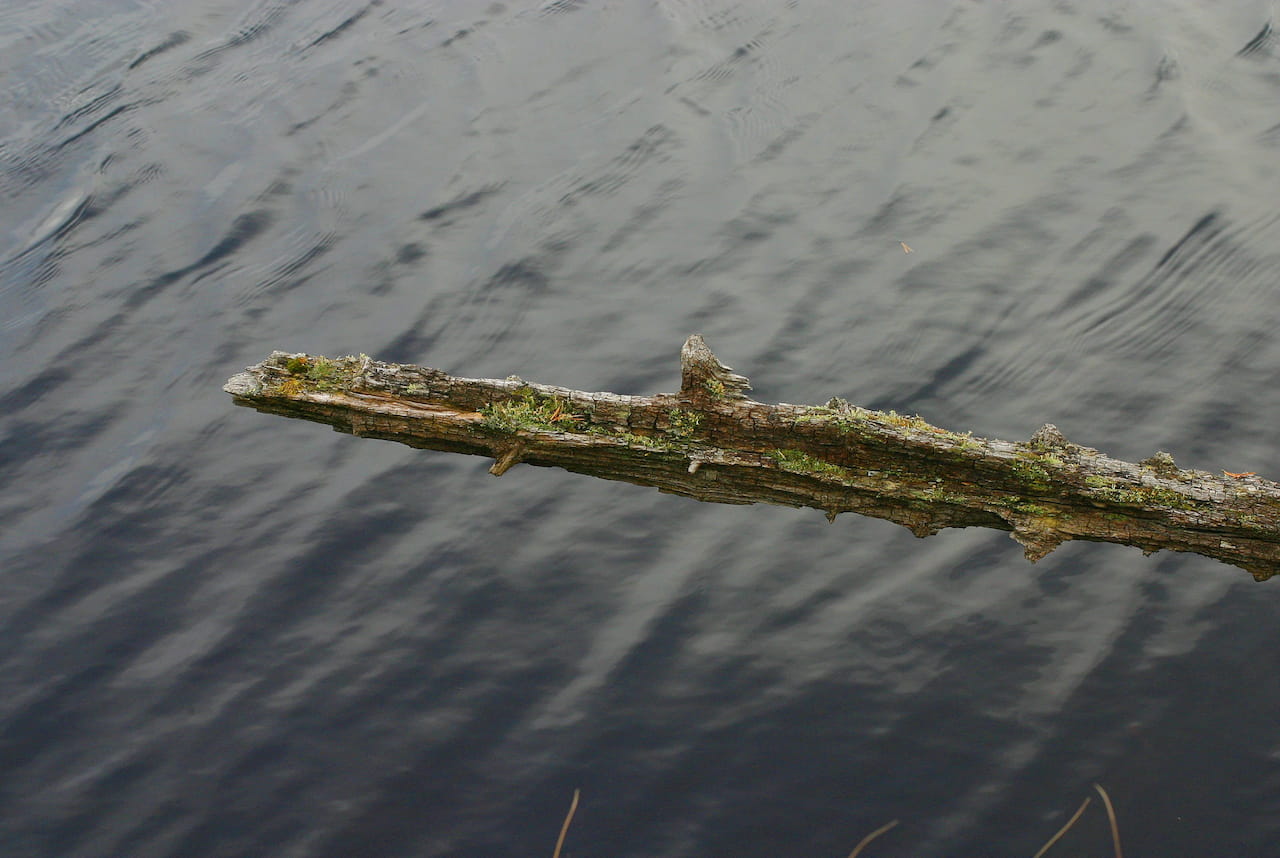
x: 711, y: 442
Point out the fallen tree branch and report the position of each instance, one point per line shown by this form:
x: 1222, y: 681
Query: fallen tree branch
x: 711, y: 442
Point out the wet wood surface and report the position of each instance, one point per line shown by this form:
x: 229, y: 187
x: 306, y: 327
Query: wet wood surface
x: 711, y: 442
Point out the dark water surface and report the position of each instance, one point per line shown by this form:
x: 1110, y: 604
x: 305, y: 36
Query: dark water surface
x: 227, y: 634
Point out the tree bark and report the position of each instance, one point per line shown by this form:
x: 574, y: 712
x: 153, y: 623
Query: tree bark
x: 711, y: 442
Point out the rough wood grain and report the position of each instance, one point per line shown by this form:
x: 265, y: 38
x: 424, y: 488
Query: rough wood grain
x: 711, y: 442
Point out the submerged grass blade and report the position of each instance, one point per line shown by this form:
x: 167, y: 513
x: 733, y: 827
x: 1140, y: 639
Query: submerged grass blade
x: 862, y: 844
x: 1063, y: 830
x: 1111, y: 815
x: 564, y: 829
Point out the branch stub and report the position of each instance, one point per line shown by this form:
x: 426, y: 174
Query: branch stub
x: 703, y: 376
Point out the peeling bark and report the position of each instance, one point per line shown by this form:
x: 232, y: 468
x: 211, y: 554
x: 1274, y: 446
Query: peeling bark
x: 711, y: 442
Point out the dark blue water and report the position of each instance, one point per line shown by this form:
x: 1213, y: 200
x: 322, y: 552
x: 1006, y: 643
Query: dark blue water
x: 227, y: 634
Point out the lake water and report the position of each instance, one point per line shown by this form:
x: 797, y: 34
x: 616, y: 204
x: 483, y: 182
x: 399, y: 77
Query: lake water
x: 228, y: 634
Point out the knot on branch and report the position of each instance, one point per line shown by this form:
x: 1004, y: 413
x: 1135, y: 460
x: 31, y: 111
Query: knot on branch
x: 702, y: 376
x: 1161, y: 463
x: 839, y: 405
x: 509, y: 458
x: 1038, y: 537
x: 1049, y: 437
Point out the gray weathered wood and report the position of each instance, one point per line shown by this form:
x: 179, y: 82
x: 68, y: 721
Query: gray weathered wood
x: 711, y: 442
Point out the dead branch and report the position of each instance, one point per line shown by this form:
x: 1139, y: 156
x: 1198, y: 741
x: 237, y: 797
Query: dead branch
x: 711, y: 442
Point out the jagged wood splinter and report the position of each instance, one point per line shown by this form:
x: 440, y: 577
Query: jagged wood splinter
x: 711, y: 442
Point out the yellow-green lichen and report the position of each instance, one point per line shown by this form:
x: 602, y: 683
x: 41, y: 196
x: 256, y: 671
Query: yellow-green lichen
x: 1031, y: 473
x: 851, y: 419
x: 684, y: 423
x: 291, y: 387
x: 1111, y: 490
x: 322, y: 372
x: 1167, y: 498
x: 530, y: 412
x: 798, y: 460
x: 647, y: 441
x: 319, y: 373
x: 937, y: 494
x: 1039, y: 510
x: 631, y: 439
x: 908, y: 421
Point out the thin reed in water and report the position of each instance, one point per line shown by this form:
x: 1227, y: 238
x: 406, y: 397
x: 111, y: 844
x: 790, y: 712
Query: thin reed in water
x: 1063, y: 830
x: 872, y: 836
x: 564, y: 829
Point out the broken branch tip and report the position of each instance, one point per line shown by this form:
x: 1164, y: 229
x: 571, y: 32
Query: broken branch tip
x: 703, y: 376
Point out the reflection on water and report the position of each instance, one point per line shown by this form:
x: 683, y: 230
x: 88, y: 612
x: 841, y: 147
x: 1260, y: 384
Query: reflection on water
x: 227, y: 634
